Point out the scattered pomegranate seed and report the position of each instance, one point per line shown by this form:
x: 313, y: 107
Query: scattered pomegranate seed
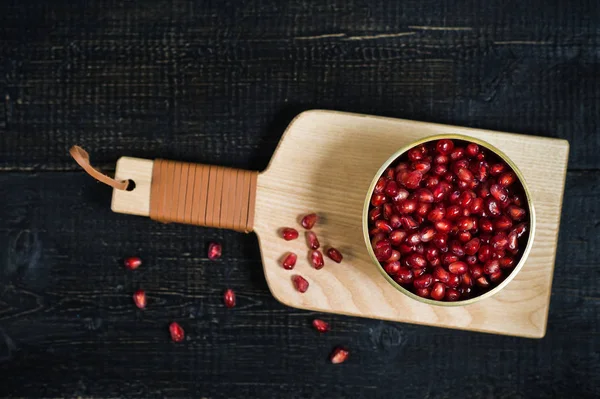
x: 132, y: 263
x: 443, y: 221
x: 177, y: 333
x: 334, y: 255
x: 309, y: 220
x: 289, y: 261
x: 300, y: 283
x: 139, y: 298
x: 312, y: 240
x: 316, y: 259
x: 289, y: 234
x: 229, y: 298
x: 339, y: 355
x: 320, y: 325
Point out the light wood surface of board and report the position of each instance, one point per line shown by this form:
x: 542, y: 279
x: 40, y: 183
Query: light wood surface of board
x: 324, y: 163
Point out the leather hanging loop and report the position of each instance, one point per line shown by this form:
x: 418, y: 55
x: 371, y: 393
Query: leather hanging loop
x: 83, y: 159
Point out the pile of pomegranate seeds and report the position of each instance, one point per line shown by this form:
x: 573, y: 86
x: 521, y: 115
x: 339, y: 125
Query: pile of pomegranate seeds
x: 447, y: 220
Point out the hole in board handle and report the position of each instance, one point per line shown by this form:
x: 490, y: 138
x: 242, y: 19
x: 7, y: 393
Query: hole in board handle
x: 130, y: 185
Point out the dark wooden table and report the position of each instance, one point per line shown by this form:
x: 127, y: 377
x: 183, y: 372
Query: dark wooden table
x: 217, y: 82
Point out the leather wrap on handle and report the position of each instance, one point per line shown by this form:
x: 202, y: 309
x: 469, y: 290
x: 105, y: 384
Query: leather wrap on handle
x: 203, y: 195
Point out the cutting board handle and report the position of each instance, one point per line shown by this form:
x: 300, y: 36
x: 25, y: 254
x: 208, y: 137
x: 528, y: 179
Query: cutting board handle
x: 203, y: 195
x: 180, y: 192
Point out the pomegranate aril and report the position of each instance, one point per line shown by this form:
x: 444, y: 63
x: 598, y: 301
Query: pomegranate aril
x: 423, y: 281
x: 388, y: 211
x: 378, y: 199
x: 313, y: 241
x: 229, y: 298
x: 416, y: 261
x: 289, y: 261
x: 427, y: 234
x: 407, y: 206
x: 382, y: 250
x: 440, y: 169
x: 177, y: 332
x: 423, y: 209
x: 453, y: 212
x: 484, y: 253
x: 440, y: 274
x: 423, y: 292
x: 392, y: 267
x: 456, y: 248
x: 441, y: 159
x: 507, y: 262
x: 452, y: 295
x: 417, y: 153
x: 491, y: 266
x: 436, y: 214
x: 472, y: 246
x: 454, y: 196
x: 424, y: 195
x: 513, y: 241
x: 454, y: 280
x: 466, y: 198
x: 380, y: 224
x: 515, y: 212
x: 401, y: 196
x: 412, y: 179
x: 391, y: 188
x: 457, y: 153
x: 464, y: 236
x: 375, y: 213
x: 482, y: 282
x: 480, y: 170
x: 380, y: 185
x: 394, y: 256
x: 466, y: 223
x: 320, y: 325
x: 404, y: 275
x: 423, y: 166
x: 335, y: 255
x: 395, y: 221
x: 499, y: 241
x: 287, y: 233
x: 458, y: 165
x: 486, y: 225
x: 496, y: 277
x: 132, y: 262
x: 440, y: 240
x: 402, y: 166
x: 493, y: 207
x: 316, y: 259
x: 471, y: 259
x: 431, y: 182
x: 476, y: 270
x: 443, y: 226
x: 408, y: 223
x: 498, y: 192
x: 339, y: 355
x: 389, y: 174
x: 405, y: 249
x: 413, y: 239
x: 438, y: 290
x: 497, y: 169
x: 465, y: 175
x: 458, y: 267
x: 397, y: 236
x: 139, y: 298
x: 463, y: 185
x: 502, y: 223
x: 466, y: 280
x: 444, y: 146
x: 520, y: 229
x: 309, y: 221
x: 476, y: 205
x: 300, y: 283
x: 506, y: 179
x: 449, y: 258
x: 498, y: 254
x: 472, y: 149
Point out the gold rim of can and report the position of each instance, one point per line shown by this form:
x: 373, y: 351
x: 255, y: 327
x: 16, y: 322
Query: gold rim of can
x: 528, y: 199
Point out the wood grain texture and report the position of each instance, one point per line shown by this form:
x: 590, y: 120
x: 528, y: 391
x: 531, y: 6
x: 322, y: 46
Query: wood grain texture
x: 217, y: 82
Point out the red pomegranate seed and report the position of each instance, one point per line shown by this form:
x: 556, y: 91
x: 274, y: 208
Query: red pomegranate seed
x: 380, y: 224
x: 495, y: 277
x: 320, y: 325
x: 454, y: 280
x: 484, y: 253
x: 443, y: 226
x: 440, y: 240
x: 339, y: 355
x: 416, y: 261
x: 471, y: 259
x: 472, y: 246
x: 465, y: 175
x: 397, y: 236
x: 427, y: 234
x: 466, y: 198
x: 289, y: 261
x: 423, y: 281
x: 431, y: 181
x: 424, y: 195
x: 300, y: 283
x: 132, y: 263
x: 482, y: 282
x: 497, y: 169
x: 177, y: 333
x: 401, y: 167
x: 513, y: 243
x: 417, y: 153
x: 392, y: 267
x: 316, y: 259
x: 401, y: 196
x: 458, y: 165
x: 389, y: 173
x: 456, y: 248
x: 405, y: 249
x: 313, y: 241
x: 436, y: 214
x: 404, y: 275
x: 463, y: 185
x: 413, y: 239
x: 464, y: 236
x: 502, y: 223
x: 395, y: 221
x: 453, y: 212
x: 454, y: 196
x: 515, y: 212
x: 440, y: 169
x: 444, y: 146
x: 466, y: 223
x: 408, y: 223
x: 480, y: 170
x: 334, y: 255
x: 413, y: 179
x: 472, y: 149
x: 499, y: 241
x: 391, y: 188
x: 439, y: 192
x: 423, y: 209
x: 458, y: 268
x: 506, y: 179
x: 486, y: 225
x: 452, y: 295
x: 229, y: 298
x: 378, y: 199
x: 423, y: 292
x: 139, y: 298
x: 491, y: 266
x: 407, y: 206
x: 466, y: 280
x: 375, y: 214
x: 309, y: 221
x: 439, y: 274
x: 457, y: 154
x: 438, y: 291
x: 493, y: 207
x: 507, y: 262
x: 498, y: 192
x: 476, y: 271
x: 394, y: 256
x: 498, y: 254
x: 380, y: 185
x: 441, y: 159
x: 431, y: 252
x: 449, y: 258
x: 423, y: 166
x: 382, y: 250
x: 388, y: 211
x: 287, y: 233
x: 476, y: 205
x: 520, y: 229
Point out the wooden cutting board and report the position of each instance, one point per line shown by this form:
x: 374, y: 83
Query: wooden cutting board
x: 324, y: 164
